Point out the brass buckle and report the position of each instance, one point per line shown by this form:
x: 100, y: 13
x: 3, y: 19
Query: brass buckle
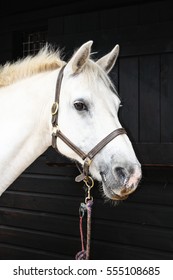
x: 54, y: 108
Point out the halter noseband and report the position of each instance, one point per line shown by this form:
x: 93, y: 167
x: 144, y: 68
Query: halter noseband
x: 58, y: 134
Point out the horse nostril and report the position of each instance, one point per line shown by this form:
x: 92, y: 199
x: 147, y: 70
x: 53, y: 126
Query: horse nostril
x: 120, y: 172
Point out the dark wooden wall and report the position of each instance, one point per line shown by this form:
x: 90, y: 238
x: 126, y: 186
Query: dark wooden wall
x: 39, y: 212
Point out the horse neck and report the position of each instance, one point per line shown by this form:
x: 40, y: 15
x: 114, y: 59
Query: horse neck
x: 25, y: 122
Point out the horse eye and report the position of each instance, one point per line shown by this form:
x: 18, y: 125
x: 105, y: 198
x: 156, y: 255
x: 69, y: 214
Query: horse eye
x: 80, y: 106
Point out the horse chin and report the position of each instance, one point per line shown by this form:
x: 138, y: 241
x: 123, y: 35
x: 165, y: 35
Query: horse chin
x: 111, y: 194
x: 114, y: 190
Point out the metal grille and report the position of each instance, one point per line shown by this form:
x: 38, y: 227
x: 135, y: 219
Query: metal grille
x: 33, y: 42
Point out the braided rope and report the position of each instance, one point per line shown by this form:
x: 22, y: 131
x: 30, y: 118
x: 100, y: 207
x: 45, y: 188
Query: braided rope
x: 84, y: 254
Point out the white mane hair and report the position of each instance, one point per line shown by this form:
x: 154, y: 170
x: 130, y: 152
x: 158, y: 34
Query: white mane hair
x: 45, y: 60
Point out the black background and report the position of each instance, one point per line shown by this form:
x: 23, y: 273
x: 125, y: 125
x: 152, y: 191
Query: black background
x: 39, y: 212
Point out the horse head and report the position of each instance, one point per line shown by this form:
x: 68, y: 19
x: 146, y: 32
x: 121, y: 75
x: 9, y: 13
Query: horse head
x: 88, y: 112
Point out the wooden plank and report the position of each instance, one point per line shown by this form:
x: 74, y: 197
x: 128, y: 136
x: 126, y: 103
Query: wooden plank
x: 55, y: 26
x: 109, y: 251
x: 149, y: 233
x: 148, y: 237
x: 99, y: 250
x: 149, y: 13
x: 11, y: 252
x: 154, y: 194
x: 166, y: 98
x: 7, y: 45
x: 166, y: 11
x: 39, y: 166
x: 155, y: 180
x: 146, y: 40
x: 33, y: 183
x: 144, y: 32
x: 36, y: 240
x: 41, y: 202
x: 128, y: 90
x: 139, y: 213
x: 137, y: 209
x: 146, y: 47
x: 40, y: 221
x: 142, y: 238
x: 108, y: 18
x: 51, y: 156
x: 150, y: 99
x: 129, y: 16
x: 116, y: 233
x: 160, y: 175
x: 77, y: 23
x: 154, y: 153
x: 146, y: 208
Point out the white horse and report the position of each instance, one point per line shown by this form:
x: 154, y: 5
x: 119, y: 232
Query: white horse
x: 88, y: 109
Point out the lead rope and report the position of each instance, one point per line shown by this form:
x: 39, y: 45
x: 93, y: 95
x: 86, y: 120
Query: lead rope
x: 84, y: 254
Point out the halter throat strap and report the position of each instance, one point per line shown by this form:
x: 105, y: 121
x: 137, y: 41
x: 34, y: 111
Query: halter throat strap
x: 87, y: 158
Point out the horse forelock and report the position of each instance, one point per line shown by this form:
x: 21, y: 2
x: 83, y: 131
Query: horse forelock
x: 93, y: 73
x: 45, y: 60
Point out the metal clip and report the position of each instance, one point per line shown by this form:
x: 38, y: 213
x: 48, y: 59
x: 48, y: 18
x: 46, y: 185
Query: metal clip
x: 82, y: 209
x: 89, y: 182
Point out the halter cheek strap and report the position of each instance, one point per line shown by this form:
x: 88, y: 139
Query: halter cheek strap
x: 87, y: 158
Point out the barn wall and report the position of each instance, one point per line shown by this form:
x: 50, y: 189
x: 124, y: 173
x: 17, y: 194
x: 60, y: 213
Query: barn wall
x: 39, y: 212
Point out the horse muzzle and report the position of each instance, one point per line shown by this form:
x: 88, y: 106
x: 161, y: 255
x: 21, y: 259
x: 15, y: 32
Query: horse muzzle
x: 120, y: 182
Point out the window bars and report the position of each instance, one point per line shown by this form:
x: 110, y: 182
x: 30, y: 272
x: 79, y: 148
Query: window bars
x: 33, y: 42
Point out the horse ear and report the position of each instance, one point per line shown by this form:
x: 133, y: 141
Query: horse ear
x: 79, y: 59
x: 108, y: 61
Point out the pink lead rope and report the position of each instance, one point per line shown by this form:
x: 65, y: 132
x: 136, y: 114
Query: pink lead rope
x: 84, y: 254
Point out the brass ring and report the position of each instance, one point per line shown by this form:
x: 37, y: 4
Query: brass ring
x: 88, y: 199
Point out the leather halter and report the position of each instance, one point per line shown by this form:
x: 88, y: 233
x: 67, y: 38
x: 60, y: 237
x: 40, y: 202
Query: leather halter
x: 58, y: 134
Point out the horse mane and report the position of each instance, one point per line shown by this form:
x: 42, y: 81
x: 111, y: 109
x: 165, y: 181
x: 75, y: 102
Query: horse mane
x: 45, y: 60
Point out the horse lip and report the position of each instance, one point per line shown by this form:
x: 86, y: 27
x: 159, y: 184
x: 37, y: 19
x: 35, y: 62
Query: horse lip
x: 111, y: 193
x: 118, y: 197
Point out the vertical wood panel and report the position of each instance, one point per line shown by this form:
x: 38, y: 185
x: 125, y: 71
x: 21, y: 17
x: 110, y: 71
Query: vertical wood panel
x: 167, y: 98
x: 128, y: 90
x: 150, y: 99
